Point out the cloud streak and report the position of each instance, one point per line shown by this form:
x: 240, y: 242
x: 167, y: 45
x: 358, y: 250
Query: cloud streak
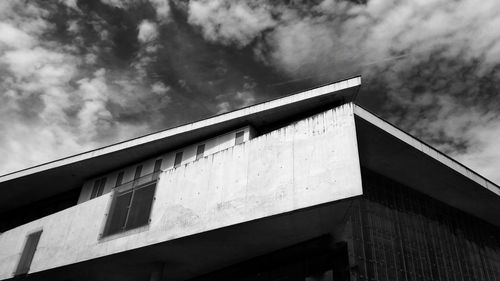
x: 148, y: 31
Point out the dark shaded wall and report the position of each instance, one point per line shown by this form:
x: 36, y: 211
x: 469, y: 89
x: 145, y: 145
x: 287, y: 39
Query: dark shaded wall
x: 39, y: 209
x: 400, y: 234
x: 315, y: 260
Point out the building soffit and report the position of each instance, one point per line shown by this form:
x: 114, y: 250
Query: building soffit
x: 389, y: 151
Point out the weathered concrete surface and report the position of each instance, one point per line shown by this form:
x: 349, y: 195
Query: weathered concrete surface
x: 311, y: 162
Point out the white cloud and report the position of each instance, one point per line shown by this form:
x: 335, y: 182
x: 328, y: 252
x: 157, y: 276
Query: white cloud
x: 73, y: 26
x: 223, y: 107
x: 52, y: 105
x: 245, y: 98
x: 13, y: 37
x: 446, y: 48
x: 40, y: 65
x: 162, y: 8
x: 484, y: 155
x: 90, y: 58
x: 341, y: 32
x: 93, y: 114
x: 230, y: 22
x: 382, y: 28
x: 70, y: 3
x: 306, y: 47
x: 159, y: 88
x: 233, y: 101
x: 148, y: 31
x: 116, y: 3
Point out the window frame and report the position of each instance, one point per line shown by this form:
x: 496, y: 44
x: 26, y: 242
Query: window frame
x: 239, y: 137
x: 138, y: 171
x: 157, y: 165
x: 178, y: 156
x: 28, y: 253
x: 200, y: 153
x: 116, y: 194
x: 98, y: 188
x: 119, y: 178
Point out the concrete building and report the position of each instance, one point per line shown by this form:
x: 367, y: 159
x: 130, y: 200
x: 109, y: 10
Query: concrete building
x: 306, y: 187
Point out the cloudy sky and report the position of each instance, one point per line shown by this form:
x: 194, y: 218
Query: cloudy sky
x: 76, y: 75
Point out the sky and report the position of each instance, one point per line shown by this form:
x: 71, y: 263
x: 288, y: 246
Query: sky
x: 77, y: 75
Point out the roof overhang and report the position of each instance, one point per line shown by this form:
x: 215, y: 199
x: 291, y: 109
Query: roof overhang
x: 43, y: 181
x: 391, y: 152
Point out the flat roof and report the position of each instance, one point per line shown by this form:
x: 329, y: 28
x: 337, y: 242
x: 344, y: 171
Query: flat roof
x: 43, y: 181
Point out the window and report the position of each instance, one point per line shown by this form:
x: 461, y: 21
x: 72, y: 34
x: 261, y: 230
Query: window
x: 28, y: 253
x: 98, y: 188
x: 178, y: 159
x: 157, y: 168
x: 131, y: 208
x: 199, y: 151
x: 239, y: 137
x: 138, y: 171
x: 119, y: 179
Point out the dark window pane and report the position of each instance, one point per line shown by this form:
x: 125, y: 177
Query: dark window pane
x: 239, y: 137
x: 141, y: 206
x: 157, y: 167
x: 102, y: 183
x: 98, y: 188
x: 95, y: 189
x: 119, y: 179
x: 178, y: 159
x: 199, y: 151
x: 118, y: 214
x: 138, y: 171
x: 28, y: 253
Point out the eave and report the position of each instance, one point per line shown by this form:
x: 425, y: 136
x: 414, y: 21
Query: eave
x: 42, y: 181
x: 391, y: 152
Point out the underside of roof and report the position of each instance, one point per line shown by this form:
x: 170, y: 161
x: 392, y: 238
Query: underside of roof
x: 393, y: 153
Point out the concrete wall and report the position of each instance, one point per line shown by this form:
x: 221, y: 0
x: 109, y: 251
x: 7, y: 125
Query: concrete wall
x: 212, y: 146
x: 310, y: 162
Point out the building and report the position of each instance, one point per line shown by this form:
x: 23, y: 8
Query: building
x: 306, y: 187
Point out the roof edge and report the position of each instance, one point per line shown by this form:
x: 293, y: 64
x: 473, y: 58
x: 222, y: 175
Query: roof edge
x: 330, y: 88
x: 426, y: 149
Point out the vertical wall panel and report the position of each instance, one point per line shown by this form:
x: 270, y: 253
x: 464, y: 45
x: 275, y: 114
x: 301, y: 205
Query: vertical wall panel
x: 400, y: 234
